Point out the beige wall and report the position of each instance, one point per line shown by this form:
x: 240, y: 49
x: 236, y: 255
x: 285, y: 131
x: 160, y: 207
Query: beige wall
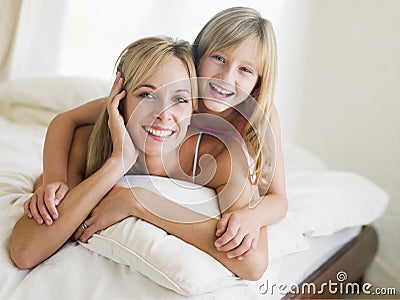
x: 350, y: 103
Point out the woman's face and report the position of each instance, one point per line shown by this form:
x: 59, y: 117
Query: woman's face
x: 230, y: 76
x: 159, y: 110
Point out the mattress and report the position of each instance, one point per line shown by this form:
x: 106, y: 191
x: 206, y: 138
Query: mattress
x: 75, y: 272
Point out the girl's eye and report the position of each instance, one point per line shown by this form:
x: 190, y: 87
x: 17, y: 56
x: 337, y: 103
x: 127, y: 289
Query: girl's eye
x: 219, y: 58
x: 146, y: 95
x: 244, y: 69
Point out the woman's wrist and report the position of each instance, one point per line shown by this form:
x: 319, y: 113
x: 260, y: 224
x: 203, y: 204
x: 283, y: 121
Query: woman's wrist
x: 137, y: 208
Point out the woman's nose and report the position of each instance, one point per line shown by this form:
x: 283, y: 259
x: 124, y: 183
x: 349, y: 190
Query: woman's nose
x: 163, y: 111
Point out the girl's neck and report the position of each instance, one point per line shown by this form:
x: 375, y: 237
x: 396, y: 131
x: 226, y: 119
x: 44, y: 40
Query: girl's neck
x: 231, y: 114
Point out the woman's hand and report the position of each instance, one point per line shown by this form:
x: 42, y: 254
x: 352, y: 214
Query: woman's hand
x: 115, y: 206
x: 238, y: 233
x: 42, y: 205
x: 123, y: 147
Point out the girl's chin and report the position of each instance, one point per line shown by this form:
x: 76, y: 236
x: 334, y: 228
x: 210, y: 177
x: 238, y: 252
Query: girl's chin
x: 215, y: 106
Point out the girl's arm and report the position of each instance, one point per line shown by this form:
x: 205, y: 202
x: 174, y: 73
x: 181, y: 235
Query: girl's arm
x: 121, y: 203
x: 31, y: 243
x: 245, y: 223
x: 52, y: 189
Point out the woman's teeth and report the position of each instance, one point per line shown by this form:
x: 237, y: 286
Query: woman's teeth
x: 221, y: 90
x: 159, y: 133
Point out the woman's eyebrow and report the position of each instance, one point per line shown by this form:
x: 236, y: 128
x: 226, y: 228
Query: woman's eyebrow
x: 182, y: 90
x: 147, y: 85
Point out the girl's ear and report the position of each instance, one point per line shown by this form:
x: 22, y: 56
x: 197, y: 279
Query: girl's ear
x: 256, y: 90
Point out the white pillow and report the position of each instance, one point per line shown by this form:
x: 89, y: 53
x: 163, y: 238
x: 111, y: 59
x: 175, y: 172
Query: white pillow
x: 168, y: 260
x: 53, y: 94
x: 324, y: 202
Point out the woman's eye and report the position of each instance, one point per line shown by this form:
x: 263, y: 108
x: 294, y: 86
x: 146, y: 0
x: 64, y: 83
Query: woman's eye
x: 219, y: 58
x: 181, y: 99
x: 146, y: 95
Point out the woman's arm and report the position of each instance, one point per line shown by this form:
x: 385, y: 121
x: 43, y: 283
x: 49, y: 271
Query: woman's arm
x: 53, y: 186
x: 31, y: 243
x: 202, y: 234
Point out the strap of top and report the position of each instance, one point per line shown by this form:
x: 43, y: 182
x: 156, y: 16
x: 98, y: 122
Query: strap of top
x: 196, y: 154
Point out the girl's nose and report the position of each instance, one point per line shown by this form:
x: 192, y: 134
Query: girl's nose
x: 228, y: 74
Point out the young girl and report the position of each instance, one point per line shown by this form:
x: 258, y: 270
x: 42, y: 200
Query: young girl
x: 157, y: 124
x: 234, y: 52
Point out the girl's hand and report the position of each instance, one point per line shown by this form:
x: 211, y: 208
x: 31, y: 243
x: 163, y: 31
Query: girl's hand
x: 238, y: 233
x: 123, y: 147
x: 42, y: 205
x: 114, y: 207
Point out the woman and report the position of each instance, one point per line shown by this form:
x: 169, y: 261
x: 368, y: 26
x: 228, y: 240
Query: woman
x: 236, y: 54
x: 147, y: 65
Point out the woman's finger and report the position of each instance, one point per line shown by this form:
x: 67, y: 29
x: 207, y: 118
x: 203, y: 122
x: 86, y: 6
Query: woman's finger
x: 89, y: 232
x: 117, y: 85
x: 81, y: 229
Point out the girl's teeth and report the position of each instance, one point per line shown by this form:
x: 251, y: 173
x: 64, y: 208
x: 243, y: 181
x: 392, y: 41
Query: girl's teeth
x: 221, y: 91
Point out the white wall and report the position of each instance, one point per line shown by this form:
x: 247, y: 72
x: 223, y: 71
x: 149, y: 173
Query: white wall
x: 350, y: 104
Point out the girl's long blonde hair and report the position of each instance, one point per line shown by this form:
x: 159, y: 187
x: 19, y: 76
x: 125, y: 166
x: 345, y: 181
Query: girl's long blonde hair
x: 231, y: 28
x: 137, y: 62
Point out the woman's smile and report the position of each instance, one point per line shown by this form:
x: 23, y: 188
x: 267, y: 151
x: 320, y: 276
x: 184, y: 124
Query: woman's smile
x: 158, y: 133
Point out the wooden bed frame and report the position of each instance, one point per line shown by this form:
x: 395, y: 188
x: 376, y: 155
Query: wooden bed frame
x: 353, y: 258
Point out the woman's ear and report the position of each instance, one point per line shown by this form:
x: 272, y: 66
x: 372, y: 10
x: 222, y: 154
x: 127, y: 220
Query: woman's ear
x: 121, y: 108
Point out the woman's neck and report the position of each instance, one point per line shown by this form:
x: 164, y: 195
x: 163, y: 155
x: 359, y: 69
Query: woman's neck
x: 156, y: 165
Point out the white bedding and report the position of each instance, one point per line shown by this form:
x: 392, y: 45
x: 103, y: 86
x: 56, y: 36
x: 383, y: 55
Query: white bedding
x: 76, y: 272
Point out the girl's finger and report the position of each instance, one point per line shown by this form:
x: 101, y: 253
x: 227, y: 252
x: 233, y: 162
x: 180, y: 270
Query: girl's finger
x: 27, y: 211
x: 242, y: 249
x: 49, y: 200
x: 41, y: 205
x: 222, y: 224
x: 233, y: 243
x: 229, y: 234
x: 34, y: 211
x: 248, y: 252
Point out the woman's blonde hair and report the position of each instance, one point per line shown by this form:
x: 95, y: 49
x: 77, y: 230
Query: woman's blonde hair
x: 137, y: 62
x: 230, y: 28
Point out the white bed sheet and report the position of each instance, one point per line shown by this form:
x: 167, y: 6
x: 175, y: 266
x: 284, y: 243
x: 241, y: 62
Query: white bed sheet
x: 76, y: 273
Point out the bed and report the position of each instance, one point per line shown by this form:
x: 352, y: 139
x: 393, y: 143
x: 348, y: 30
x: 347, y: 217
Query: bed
x: 325, y: 235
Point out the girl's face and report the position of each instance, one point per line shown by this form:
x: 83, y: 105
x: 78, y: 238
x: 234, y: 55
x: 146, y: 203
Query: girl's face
x: 230, y: 76
x: 159, y: 110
